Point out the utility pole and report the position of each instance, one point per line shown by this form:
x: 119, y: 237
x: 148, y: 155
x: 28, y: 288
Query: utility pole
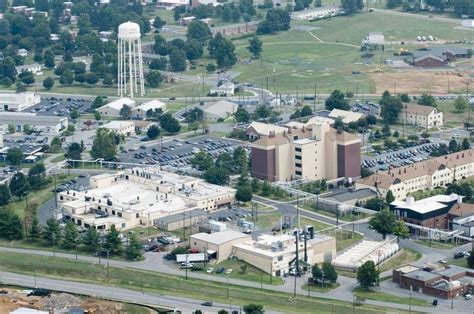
x: 297, y: 270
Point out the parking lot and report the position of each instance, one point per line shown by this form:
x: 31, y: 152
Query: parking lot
x: 178, y: 153
x: 402, y: 157
x: 58, y: 106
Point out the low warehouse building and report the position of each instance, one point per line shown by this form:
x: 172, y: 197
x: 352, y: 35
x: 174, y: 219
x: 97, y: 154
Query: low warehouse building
x: 141, y: 110
x: 18, y: 102
x: 219, y: 242
x: 112, y: 109
x: 177, y: 221
x: 219, y: 110
x: 125, y: 128
x: 49, y: 124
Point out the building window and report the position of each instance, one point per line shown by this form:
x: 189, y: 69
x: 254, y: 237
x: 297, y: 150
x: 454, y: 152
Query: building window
x: 298, y: 173
x: 298, y: 165
x: 137, y: 215
x: 280, y: 258
x: 298, y: 157
x: 297, y: 149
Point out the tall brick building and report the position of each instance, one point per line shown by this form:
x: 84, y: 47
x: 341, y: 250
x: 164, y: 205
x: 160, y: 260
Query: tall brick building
x: 313, y: 150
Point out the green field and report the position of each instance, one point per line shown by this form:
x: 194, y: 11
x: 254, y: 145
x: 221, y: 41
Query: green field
x: 403, y: 257
x: 252, y: 273
x: 174, y: 285
x: 381, y: 296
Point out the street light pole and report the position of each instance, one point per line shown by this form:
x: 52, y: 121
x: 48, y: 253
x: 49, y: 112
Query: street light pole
x: 54, y: 238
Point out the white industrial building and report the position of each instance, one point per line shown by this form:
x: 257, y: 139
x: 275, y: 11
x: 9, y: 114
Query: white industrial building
x: 219, y: 110
x: 34, y: 68
x: 141, y: 110
x: 18, y: 102
x: 49, y: 124
x: 112, y: 109
x: 465, y: 224
x: 364, y: 251
x: 171, y: 4
x: 225, y: 89
x: 125, y: 128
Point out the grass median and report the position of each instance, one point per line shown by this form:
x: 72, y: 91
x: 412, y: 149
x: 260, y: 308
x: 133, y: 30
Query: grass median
x: 385, y: 297
x: 72, y: 270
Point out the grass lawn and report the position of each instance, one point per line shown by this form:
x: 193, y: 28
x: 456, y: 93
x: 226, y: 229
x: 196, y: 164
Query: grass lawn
x: 313, y: 208
x: 268, y: 220
x: 36, y: 199
x: 318, y: 225
x: 418, y: 195
x: 252, y: 273
x: 66, y: 269
x: 458, y: 262
x: 260, y: 206
x: 436, y: 244
x: 143, y: 232
x: 385, y: 297
x: 58, y: 159
x: 404, y: 256
x: 317, y: 288
x: 451, y: 116
x: 344, y: 238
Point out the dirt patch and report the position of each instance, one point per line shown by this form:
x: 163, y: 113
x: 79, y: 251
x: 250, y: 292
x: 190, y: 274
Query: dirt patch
x: 15, y: 299
x: 413, y: 82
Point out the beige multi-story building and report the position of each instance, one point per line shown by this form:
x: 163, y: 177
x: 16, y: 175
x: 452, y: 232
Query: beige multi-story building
x: 125, y: 128
x: 139, y: 197
x: 428, y: 174
x: 312, y: 151
x: 275, y: 254
x: 422, y: 116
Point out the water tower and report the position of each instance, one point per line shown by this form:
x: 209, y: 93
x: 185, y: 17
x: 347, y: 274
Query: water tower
x: 130, y: 63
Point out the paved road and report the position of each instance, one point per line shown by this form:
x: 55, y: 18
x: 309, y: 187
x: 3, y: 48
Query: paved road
x: 187, y: 305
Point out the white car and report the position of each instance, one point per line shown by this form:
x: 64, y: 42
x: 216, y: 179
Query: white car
x: 210, y: 270
x: 186, y: 265
x: 443, y: 261
x: 228, y: 271
x: 467, y: 297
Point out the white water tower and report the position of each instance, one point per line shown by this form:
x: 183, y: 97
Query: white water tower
x: 130, y: 63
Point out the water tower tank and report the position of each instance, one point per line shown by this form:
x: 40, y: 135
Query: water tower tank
x: 129, y: 31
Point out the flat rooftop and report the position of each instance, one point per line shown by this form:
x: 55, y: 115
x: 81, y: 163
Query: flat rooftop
x: 422, y: 275
x: 222, y: 237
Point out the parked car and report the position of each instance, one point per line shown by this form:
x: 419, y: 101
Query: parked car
x: 207, y: 303
x: 220, y: 270
x: 210, y: 270
x: 186, y: 265
x: 467, y: 296
x: 228, y: 271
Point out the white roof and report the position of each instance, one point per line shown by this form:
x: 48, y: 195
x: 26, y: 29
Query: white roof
x: 220, y: 108
x: 30, y: 118
x: 219, y: 238
x: 152, y: 104
x: 347, y: 116
x: 426, y: 205
x: 25, y: 310
x: 118, y: 103
x: 118, y: 125
x: 265, y: 129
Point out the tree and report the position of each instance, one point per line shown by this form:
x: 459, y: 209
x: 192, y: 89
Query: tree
x: 276, y: 20
x: 202, y: 161
x: 367, y: 275
x: 219, y: 176
x: 153, y: 132
x: 104, y: 145
x: 35, y: 230
x: 169, y: 123
x: 51, y: 232
x: 18, y: 185
x: 401, y: 230
x: 158, y: 23
x: 211, y: 67
x: 113, y: 243
x: 306, y: 111
x: 134, y: 248
x: 74, y: 151
x: 10, y: 225
x: 337, y: 101
x: 91, y: 240
x: 20, y: 87
x: 242, y: 115
x: 48, y: 83
x: 177, y: 60
x: 55, y: 145
x: 49, y: 59
x: 405, y: 98
x: 453, y: 146
x: 460, y: 104
x: 198, y: 30
x: 255, y: 47
x: 223, y: 50
x: 253, y: 309
x: 71, y: 236
x: 37, y: 177
x: 125, y: 112
x: 66, y: 78
x: 4, y: 194
x: 470, y: 260
x: 316, y: 272
x: 26, y: 77
x: 240, y: 159
x: 14, y: 156
x: 262, y: 112
x: 465, y: 144
x: 352, y: 6
x: 390, y: 108
x: 383, y: 222
x: 244, y: 190
x: 427, y: 100
x: 97, y: 115
x: 389, y: 198
x: 98, y: 102
x: 158, y: 64
x: 329, y: 272
x: 153, y: 79
x: 74, y: 114
x: 91, y: 78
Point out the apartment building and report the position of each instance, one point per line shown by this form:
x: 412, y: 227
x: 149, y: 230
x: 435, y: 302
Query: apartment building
x: 422, y: 116
x: 140, y: 197
x: 427, y: 174
x: 313, y: 150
